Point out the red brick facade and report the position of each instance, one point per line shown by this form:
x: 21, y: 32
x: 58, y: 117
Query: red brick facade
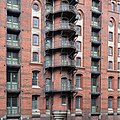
x: 57, y: 99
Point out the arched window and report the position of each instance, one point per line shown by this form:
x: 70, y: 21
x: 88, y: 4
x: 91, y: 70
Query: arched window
x: 110, y: 24
x: 118, y: 7
x: 110, y: 102
x: 64, y: 84
x: 78, y: 102
x: 48, y: 84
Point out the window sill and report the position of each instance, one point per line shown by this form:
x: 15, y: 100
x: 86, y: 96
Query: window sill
x: 110, y: 90
x: 64, y: 104
x: 79, y: 88
x: 35, y: 86
x: 36, y: 63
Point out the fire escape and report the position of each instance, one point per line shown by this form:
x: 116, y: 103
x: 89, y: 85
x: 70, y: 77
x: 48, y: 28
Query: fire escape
x: 60, y: 51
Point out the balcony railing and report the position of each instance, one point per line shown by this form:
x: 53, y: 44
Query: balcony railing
x: 94, y: 109
x: 94, y: 68
x: 12, y: 111
x: 13, y: 7
x: 62, y: 44
x: 58, y: 62
x: 13, y: 25
x: 66, y: 26
x: 62, y: 89
x: 95, y: 23
x: 12, y: 43
x: 94, y: 38
x: 95, y: 54
x: 96, y: 9
x: 12, y: 61
x: 58, y: 8
x: 94, y: 89
x: 13, y: 86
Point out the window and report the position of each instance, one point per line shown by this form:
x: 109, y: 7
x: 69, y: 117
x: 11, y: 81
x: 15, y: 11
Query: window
x: 118, y: 65
x: 48, y: 61
x: 110, y: 36
x: 35, y: 57
x: 78, y: 30
x: 35, y: 39
x: 109, y: 82
x: 12, y: 102
x: 118, y: 8
x: 78, y: 102
x: 119, y: 37
x: 118, y: 51
x: 14, y: 2
x: 48, y: 84
x: 113, y: 6
x: 110, y: 65
x: 34, y: 102
x: 48, y: 43
x: 78, y: 62
x: 110, y: 102
x: 63, y: 99
x: 34, y: 78
x: 35, y: 22
x: 110, y: 51
x: 35, y: 7
x: 64, y: 84
x: 95, y: 4
x: 118, y: 82
x: 12, y: 77
x: 78, y: 81
x: 78, y: 46
x: 64, y: 60
x: 118, y: 102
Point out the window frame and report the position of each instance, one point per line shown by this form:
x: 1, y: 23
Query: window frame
x: 78, y: 61
x: 36, y: 44
x: 78, y: 102
x: 34, y: 101
x: 110, y: 80
x: 37, y: 60
x: 110, y: 64
x: 110, y: 102
x: 35, y: 18
x: 110, y: 36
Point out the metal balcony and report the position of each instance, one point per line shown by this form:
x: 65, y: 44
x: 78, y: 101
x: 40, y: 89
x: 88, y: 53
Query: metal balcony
x: 11, y: 44
x: 13, y: 112
x: 68, y: 27
x: 94, y: 110
x: 68, y: 64
x: 67, y: 45
x: 95, y: 40
x: 13, y: 87
x: 13, y: 8
x: 96, y: 25
x: 96, y: 10
x: 65, y: 89
x: 13, y: 27
x: 94, y: 70
x: 95, y: 91
x: 13, y: 63
x: 95, y: 55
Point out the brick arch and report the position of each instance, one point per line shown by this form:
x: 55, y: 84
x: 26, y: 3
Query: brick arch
x: 112, y: 20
